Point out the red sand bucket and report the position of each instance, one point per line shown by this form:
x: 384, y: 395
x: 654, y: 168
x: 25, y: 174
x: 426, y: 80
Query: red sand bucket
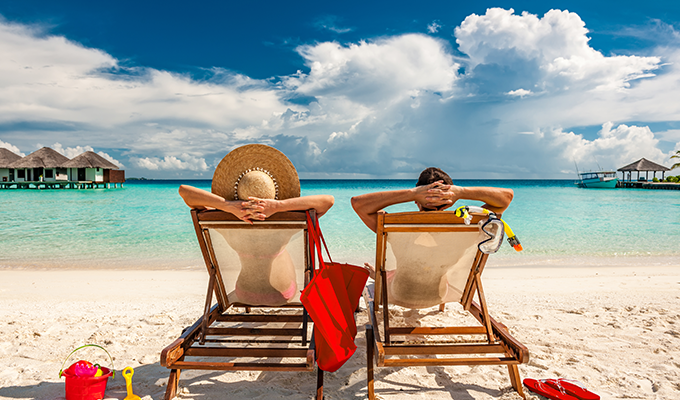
x: 86, y: 387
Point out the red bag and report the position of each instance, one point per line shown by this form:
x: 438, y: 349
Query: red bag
x: 330, y: 298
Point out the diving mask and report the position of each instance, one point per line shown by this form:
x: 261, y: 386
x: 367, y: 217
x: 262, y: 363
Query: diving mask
x: 493, y: 228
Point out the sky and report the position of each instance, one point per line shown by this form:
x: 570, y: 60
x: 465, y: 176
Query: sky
x: 490, y: 90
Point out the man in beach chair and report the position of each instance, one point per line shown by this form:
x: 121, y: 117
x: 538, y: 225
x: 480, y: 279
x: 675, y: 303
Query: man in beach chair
x: 252, y: 231
x: 427, y: 259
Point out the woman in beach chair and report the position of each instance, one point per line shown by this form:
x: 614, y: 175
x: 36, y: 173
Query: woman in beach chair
x: 254, y: 182
x: 253, y: 234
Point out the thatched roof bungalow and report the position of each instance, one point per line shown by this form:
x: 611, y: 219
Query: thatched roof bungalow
x: 48, y: 165
x: 643, y: 165
x: 7, y: 157
x: 90, y: 166
x: 44, y: 164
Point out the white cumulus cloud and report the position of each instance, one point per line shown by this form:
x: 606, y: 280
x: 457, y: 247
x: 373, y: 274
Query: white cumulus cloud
x: 614, y: 146
x: 169, y: 163
x: 551, y: 51
x: 374, y: 72
x: 13, y: 149
x: 72, y: 152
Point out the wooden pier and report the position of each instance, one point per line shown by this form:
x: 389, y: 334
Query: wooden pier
x: 649, y: 185
x: 60, y: 185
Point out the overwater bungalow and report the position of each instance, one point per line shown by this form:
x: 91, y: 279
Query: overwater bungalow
x: 90, y: 166
x: 44, y: 165
x: 48, y: 169
x: 6, y: 158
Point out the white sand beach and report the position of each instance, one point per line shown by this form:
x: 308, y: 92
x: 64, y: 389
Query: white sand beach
x: 613, y: 324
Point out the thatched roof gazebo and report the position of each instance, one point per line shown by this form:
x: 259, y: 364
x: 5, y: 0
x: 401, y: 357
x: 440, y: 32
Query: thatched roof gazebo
x: 89, y: 159
x: 643, y: 165
x: 7, y: 157
x: 43, y: 158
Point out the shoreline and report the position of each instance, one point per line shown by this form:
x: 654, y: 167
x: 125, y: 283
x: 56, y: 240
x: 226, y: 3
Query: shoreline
x: 498, y: 261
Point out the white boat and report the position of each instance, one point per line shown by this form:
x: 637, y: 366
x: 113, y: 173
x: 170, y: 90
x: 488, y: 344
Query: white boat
x: 599, y: 180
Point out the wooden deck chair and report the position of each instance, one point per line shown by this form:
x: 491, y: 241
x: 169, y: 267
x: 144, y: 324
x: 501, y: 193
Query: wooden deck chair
x: 425, y: 259
x: 254, y: 324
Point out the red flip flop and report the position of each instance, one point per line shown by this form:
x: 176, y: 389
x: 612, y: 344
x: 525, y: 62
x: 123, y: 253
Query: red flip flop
x: 544, y: 390
x: 573, y: 388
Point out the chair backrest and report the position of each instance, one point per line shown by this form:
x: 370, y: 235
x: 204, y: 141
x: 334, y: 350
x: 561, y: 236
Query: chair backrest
x: 262, y: 264
x: 428, y: 258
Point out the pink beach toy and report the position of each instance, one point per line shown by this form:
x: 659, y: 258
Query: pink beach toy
x: 87, y: 369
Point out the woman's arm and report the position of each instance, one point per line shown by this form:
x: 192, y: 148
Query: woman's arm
x: 254, y: 208
x: 264, y: 208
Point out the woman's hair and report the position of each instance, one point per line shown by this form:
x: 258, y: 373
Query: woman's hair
x: 433, y: 174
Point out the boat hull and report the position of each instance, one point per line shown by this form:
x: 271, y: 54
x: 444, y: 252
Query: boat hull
x: 598, y: 183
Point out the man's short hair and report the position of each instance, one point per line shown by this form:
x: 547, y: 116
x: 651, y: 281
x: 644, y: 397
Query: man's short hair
x: 433, y: 174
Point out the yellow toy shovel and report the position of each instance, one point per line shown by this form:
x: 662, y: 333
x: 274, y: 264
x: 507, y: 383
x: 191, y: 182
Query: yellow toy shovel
x: 127, y: 374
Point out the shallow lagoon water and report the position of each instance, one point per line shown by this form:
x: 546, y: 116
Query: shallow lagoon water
x: 146, y: 223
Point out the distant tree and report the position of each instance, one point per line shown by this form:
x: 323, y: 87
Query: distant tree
x: 676, y: 155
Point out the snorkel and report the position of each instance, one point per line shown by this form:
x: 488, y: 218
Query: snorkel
x: 464, y: 212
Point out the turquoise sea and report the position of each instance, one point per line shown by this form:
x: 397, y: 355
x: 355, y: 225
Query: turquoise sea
x: 147, y: 224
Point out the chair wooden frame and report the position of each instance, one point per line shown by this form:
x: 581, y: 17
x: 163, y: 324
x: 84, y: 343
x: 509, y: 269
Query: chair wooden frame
x: 232, y: 340
x: 499, y: 347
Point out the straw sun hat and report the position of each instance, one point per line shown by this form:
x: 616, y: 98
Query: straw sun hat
x: 256, y: 170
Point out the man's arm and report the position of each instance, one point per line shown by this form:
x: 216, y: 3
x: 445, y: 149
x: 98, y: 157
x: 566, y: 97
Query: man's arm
x: 434, y: 195
x: 367, y: 205
x: 495, y: 199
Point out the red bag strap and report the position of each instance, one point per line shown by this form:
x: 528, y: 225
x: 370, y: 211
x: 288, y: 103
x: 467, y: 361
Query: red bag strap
x: 315, y: 234
x: 314, y: 243
x: 320, y: 235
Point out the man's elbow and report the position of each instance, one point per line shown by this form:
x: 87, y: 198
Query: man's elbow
x: 508, y: 195
x: 356, y: 203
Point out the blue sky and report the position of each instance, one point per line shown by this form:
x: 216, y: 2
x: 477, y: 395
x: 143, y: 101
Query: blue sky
x: 346, y: 90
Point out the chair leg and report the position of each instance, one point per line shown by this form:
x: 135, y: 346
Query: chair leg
x: 319, y: 383
x: 173, y: 382
x: 516, y: 380
x: 369, y: 362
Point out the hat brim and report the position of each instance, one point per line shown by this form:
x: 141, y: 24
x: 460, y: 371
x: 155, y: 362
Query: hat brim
x: 251, y: 157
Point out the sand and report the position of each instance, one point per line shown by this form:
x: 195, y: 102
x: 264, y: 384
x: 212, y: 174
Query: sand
x: 613, y: 324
